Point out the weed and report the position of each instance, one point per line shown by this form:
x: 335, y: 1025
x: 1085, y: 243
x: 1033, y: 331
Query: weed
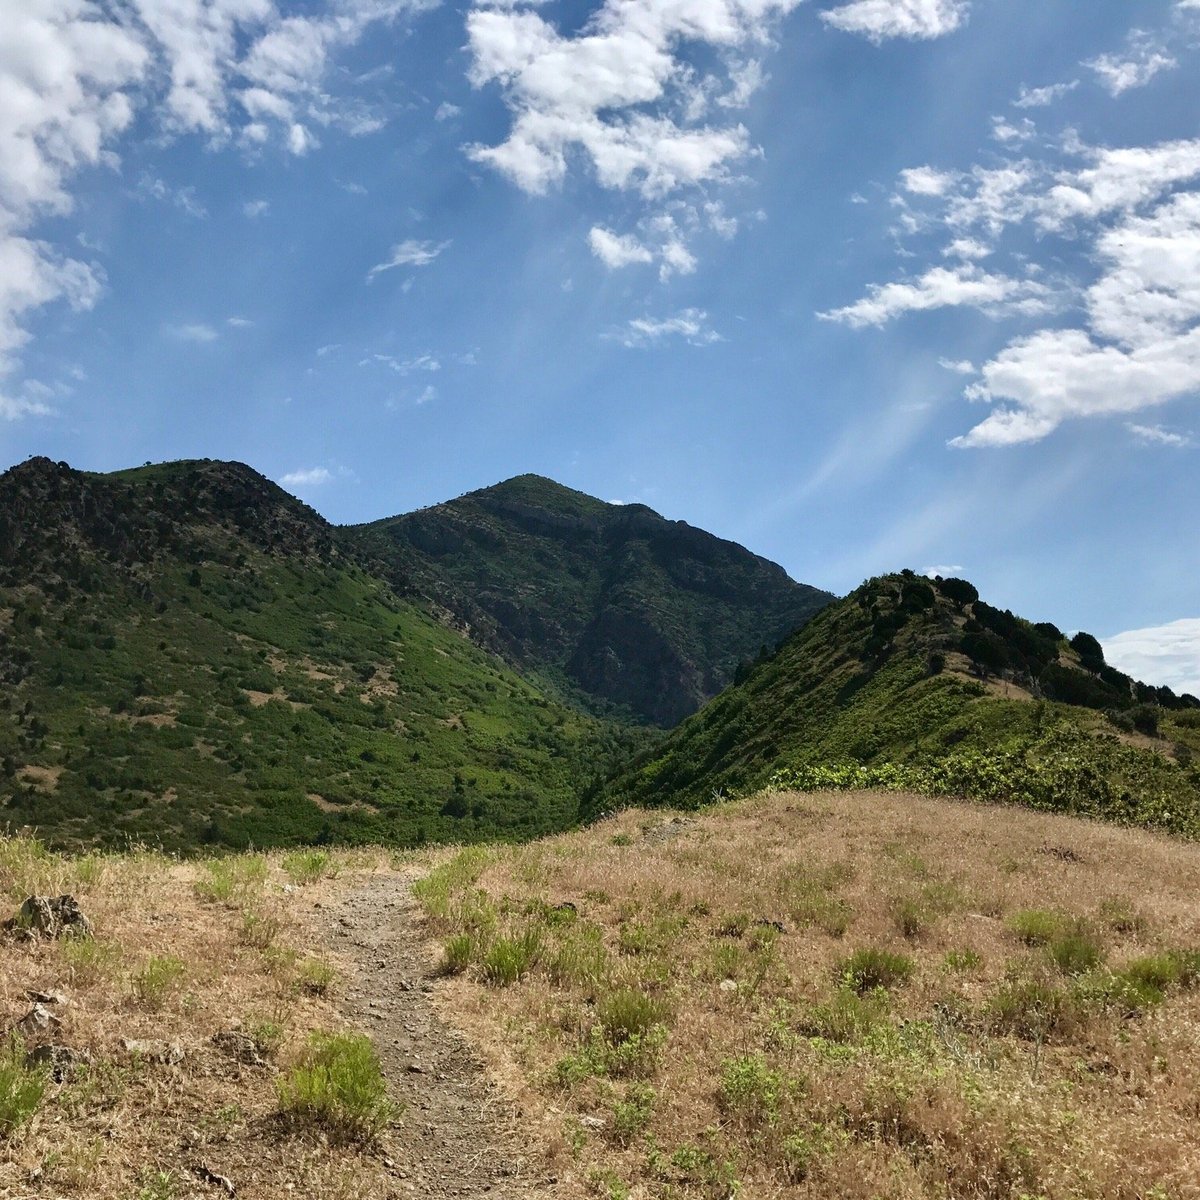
x: 307, y: 866
x: 459, y: 953
x: 627, y: 1013
x: 580, y: 959
x: 1036, y: 926
x: 338, y: 1084
x: 156, y: 1185
x: 1030, y: 1009
x: 734, y: 925
x: 231, y: 880
x: 872, y: 968
x: 963, y: 959
x: 259, y: 930
x: 846, y: 1018
x: 21, y: 1087
x: 910, y: 916
x: 160, y: 976
x: 510, y: 958
x: 90, y: 959
x: 315, y: 976
x: 751, y: 1092
x: 1119, y: 915
x: 438, y: 890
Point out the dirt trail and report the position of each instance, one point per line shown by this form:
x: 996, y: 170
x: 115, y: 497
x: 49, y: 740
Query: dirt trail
x: 457, y: 1137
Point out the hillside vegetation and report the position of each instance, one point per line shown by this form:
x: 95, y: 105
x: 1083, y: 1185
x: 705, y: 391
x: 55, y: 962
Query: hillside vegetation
x: 863, y: 995
x: 189, y: 658
x: 611, y: 605
x: 921, y: 685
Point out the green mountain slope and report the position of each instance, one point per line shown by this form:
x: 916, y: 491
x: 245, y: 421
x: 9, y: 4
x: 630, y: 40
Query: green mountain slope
x: 930, y: 687
x: 188, y: 655
x: 612, y: 605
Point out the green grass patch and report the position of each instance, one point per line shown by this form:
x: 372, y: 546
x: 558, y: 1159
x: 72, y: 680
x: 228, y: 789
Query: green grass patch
x: 337, y: 1084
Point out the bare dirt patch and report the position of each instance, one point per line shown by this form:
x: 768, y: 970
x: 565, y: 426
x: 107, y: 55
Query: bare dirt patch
x: 462, y: 1136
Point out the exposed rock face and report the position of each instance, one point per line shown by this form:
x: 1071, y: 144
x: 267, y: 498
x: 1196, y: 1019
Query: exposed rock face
x: 613, y: 600
x: 49, y: 917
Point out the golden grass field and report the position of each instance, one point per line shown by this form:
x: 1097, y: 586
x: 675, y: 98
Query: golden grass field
x: 181, y: 952
x: 836, y: 995
x: 677, y: 1001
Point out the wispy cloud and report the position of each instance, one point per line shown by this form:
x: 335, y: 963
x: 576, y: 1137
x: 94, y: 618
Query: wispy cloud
x: 1156, y: 435
x: 192, y: 332
x: 691, y: 325
x: 1143, y: 58
x: 256, y: 208
x: 307, y: 477
x: 409, y: 253
x: 1043, y: 97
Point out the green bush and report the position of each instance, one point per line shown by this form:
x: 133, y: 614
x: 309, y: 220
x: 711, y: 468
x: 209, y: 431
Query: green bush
x: 1076, y: 952
x: 632, y: 1114
x: 751, y: 1092
x: 338, y: 1084
x: 872, y: 968
x: 963, y: 959
x: 21, y: 1087
x: 1030, y: 1009
x: 846, y: 1018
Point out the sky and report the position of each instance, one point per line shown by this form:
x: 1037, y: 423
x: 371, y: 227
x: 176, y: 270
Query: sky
x: 861, y: 284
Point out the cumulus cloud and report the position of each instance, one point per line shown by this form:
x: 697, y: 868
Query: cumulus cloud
x: 1164, y: 655
x: 691, y: 325
x: 1141, y: 348
x: 409, y: 253
x: 964, y: 286
x: 307, y: 477
x: 619, y: 96
x: 1142, y: 59
x: 883, y: 19
x: 617, y: 250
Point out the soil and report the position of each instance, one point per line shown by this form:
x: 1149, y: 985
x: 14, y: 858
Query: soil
x: 459, y: 1136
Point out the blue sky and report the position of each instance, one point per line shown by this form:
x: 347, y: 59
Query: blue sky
x: 861, y: 284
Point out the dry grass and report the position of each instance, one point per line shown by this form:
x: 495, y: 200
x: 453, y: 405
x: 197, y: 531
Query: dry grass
x: 696, y: 1005
x: 181, y: 953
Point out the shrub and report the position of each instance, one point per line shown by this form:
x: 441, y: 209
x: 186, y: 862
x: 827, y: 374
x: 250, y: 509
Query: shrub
x: 846, y: 1018
x: 750, y: 1091
x: 1031, y: 1009
x: 259, y: 929
x: 510, y: 958
x: 1076, y: 952
x: 159, y: 977
x: 338, y: 1084
x: 632, y: 1114
x: 911, y: 916
x: 231, y: 880
x: 89, y: 959
x: 872, y: 968
x: 21, y: 1087
x: 1119, y: 914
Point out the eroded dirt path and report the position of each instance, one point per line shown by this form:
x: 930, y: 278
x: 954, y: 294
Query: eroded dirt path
x: 458, y: 1137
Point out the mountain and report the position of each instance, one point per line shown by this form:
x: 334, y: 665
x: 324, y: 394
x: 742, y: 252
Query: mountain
x: 611, y: 605
x: 188, y: 654
x: 920, y: 683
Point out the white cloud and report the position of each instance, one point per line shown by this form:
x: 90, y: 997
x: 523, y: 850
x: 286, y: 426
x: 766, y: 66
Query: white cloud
x: 75, y: 73
x: 446, y: 112
x: 962, y: 366
x: 307, y: 477
x: 1156, y: 435
x: 1163, y: 655
x: 192, y: 332
x: 1003, y: 130
x: 691, y: 324
x: 617, y: 250
x: 409, y: 253
x: 238, y: 322
x: 406, y: 366
x: 1136, y: 66
x: 882, y: 19
x: 1142, y: 347
x: 618, y: 95
x: 964, y: 286
x: 256, y: 208
x: 926, y: 181
x: 1043, y: 97
x: 951, y: 571
x: 967, y: 248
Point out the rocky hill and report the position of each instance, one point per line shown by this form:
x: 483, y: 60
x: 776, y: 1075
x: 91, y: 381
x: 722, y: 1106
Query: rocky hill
x: 922, y: 684
x: 612, y: 605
